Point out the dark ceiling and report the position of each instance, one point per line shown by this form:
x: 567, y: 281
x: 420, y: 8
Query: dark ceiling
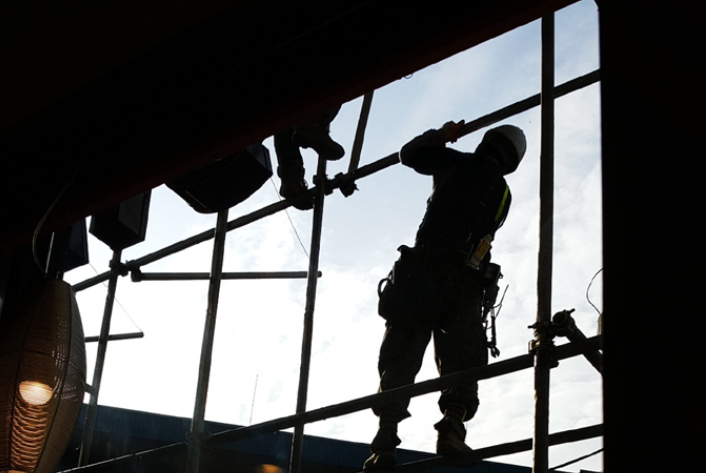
x: 112, y: 98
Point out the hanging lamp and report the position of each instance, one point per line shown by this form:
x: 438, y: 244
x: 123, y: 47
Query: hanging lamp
x: 42, y: 377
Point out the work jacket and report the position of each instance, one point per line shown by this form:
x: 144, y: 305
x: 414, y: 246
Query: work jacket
x: 469, y: 199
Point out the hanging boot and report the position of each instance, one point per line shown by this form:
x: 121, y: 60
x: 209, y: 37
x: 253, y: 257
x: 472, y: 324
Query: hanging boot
x: 452, y: 433
x: 315, y: 134
x: 294, y: 186
x: 383, y: 445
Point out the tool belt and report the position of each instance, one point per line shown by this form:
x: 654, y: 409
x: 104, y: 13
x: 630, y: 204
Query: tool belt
x: 413, y: 288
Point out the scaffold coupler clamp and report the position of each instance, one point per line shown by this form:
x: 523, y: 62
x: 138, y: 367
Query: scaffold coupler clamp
x: 136, y: 275
x: 344, y: 182
x: 327, y: 183
x: 544, y: 340
x: 563, y: 325
x: 119, y: 268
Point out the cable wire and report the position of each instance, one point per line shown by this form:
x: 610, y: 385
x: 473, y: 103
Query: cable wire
x: 119, y: 303
x: 40, y: 224
x: 583, y: 457
x: 589, y: 287
x: 289, y: 218
x: 500, y: 304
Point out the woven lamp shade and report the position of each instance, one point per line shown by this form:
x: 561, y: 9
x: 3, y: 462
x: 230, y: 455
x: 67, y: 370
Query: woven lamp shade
x: 42, y: 378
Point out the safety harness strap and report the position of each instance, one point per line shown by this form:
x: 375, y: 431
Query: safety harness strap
x: 501, y: 207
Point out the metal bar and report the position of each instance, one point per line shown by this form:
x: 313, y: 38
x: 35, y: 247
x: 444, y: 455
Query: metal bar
x: 481, y: 373
x: 124, y: 462
x: 425, y: 387
x: 594, y: 357
x: 297, y: 443
x: 558, y: 438
x: 141, y: 276
x: 364, y: 171
x: 469, y: 459
x: 91, y: 282
x: 563, y: 324
x: 530, y: 102
x: 543, y: 334
x: 360, y: 132
x: 491, y: 118
x: 90, y: 420
x: 198, y: 418
x: 189, y: 242
x: 118, y: 336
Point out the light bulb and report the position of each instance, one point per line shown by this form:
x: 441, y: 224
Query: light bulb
x: 35, y: 393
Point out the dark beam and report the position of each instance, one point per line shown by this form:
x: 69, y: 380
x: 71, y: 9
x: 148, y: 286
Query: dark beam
x: 237, y: 77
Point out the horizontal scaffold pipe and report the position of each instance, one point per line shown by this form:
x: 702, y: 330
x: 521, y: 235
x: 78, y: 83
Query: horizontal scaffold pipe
x: 138, y: 276
x: 118, y: 336
x: 122, y: 462
x: 487, y: 120
x: 486, y: 372
x: 364, y: 171
x: 469, y: 459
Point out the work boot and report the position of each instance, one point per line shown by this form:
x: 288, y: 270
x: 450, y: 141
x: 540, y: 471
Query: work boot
x: 315, y: 135
x: 383, y: 450
x: 296, y: 187
x: 452, y: 434
x: 384, y: 444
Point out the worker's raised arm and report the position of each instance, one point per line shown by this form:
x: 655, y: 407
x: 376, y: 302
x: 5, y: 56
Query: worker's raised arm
x: 427, y: 152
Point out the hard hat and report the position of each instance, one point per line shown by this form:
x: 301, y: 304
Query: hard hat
x: 514, y: 136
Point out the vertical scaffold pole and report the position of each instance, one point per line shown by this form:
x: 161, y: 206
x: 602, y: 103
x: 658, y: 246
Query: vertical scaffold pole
x: 543, y: 340
x: 203, y: 379
x: 360, y: 132
x: 297, y: 443
x: 90, y: 420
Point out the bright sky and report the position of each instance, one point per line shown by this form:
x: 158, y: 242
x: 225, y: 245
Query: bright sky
x: 260, y: 323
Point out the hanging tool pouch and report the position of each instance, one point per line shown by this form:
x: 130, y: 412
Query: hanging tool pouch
x: 405, y: 294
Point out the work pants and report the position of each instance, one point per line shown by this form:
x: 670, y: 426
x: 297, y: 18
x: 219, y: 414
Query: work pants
x: 459, y: 341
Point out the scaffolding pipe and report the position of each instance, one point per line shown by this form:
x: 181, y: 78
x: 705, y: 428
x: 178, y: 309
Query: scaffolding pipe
x: 360, y: 132
x: 490, y: 119
x: 139, y: 276
x: 297, y: 443
x: 563, y: 324
x: 189, y: 242
x: 480, y: 373
x: 364, y: 171
x: 543, y: 344
x: 469, y: 459
x: 558, y: 438
x: 493, y: 370
x: 90, y: 420
x: 198, y: 418
x: 118, y: 336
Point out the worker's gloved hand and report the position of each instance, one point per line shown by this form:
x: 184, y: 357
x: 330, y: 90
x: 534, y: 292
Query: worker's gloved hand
x: 450, y: 131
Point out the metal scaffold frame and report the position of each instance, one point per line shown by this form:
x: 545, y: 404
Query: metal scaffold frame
x: 541, y: 355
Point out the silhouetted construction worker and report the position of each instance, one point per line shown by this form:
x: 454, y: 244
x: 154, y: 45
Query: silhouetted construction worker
x: 313, y: 134
x: 437, y: 286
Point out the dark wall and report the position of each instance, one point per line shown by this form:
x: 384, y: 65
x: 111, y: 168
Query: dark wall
x: 653, y: 167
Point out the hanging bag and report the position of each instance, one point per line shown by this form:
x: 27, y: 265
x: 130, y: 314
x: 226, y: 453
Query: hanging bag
x: 405, y: 294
